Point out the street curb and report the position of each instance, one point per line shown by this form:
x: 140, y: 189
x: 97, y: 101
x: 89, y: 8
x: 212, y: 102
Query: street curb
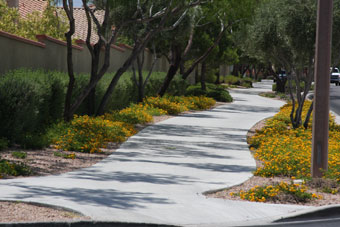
x: 83, y: 224
x: 317, y: 213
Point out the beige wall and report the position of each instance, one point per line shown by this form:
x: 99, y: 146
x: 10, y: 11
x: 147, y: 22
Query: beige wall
x: 51, y: 54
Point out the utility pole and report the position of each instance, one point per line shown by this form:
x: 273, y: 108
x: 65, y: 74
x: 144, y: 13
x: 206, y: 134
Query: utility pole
x: 321, y: 96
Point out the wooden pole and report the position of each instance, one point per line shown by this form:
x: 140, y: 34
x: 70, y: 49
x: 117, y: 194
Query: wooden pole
x: 321, y: 97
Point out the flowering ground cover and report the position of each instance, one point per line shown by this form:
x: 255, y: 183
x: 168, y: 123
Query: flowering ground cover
x: 91, y: 134
x: 286, y: 152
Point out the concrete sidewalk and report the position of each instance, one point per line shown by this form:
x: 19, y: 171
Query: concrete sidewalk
x: 159, y: 175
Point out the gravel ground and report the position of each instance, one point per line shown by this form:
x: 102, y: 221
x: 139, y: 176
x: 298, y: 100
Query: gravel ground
x: 24, y: 212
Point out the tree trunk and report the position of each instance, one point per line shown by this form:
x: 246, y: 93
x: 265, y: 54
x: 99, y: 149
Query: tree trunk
x: 135, y: 52
x: 91, y: 98
x: 139, y: 47
x: 245, y: 69
x: 280, y: 84
x: 196, y: 75
x: 205, y: 55
x: 91, y: 102
x: 218, y: 76
x: 257, y: 73
x: 175, y: 64
x: 68, y: 115
x: 140, y: 79
x: 235, y: 70
x: 309, y: 113
x: 203, y: 73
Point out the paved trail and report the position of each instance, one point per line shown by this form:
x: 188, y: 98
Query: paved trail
x: 159, y: 175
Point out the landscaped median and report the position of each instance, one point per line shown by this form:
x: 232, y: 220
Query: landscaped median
x: 284, y: 162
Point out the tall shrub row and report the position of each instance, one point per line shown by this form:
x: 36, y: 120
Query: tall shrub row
x: 31, y: 100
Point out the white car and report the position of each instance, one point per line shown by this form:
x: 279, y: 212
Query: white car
x: 335, y: 76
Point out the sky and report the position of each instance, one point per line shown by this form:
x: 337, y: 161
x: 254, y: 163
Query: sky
x: 77, y: 3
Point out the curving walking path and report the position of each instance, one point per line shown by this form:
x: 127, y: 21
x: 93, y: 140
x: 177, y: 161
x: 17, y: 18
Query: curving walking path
x: 159, y: 175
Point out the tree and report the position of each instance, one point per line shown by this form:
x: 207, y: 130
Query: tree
x: 121, y: 14
x: 174, y: 44
x: 214, y: 19
x: 155, y: 24
x: 283, y: 32
x: 68, y: 7
x: 140, y: 82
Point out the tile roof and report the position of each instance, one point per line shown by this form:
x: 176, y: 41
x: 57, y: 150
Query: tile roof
x: 26, y: 7
x: 29, y: 6
x: 81, y: 24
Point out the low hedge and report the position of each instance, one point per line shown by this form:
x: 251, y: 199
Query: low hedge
x: 239, y: 81
x: 213, y: 91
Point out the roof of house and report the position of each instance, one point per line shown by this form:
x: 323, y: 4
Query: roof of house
x: 29, y: 6
x: 81, y: 24
x: 26, y: 7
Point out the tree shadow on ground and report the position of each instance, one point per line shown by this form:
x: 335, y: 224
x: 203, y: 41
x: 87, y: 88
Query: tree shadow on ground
x: 96, y: 197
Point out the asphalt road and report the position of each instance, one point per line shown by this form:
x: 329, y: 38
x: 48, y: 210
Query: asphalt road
x: 334, y: 94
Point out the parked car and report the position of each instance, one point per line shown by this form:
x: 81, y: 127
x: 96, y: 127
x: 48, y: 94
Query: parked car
x: 282, y: 75
x: 335, y: 76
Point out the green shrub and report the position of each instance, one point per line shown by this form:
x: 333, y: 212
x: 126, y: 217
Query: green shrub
x: 195, y: 90
x: 13, y: 169
x: 19, y: 107
x: 232, y: 80
x: 274, y: 87
x: 238, y: 81
x: 247, y: 82
x: 177, y: 86
x: 29, y: 102
x: 3, y: 144
x: 222, y: 96
x: 216, y: 92
x: 19, y: 154
x: 34, y: 141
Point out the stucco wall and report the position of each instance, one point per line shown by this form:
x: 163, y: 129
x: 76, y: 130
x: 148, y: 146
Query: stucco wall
x: 51, y: 54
